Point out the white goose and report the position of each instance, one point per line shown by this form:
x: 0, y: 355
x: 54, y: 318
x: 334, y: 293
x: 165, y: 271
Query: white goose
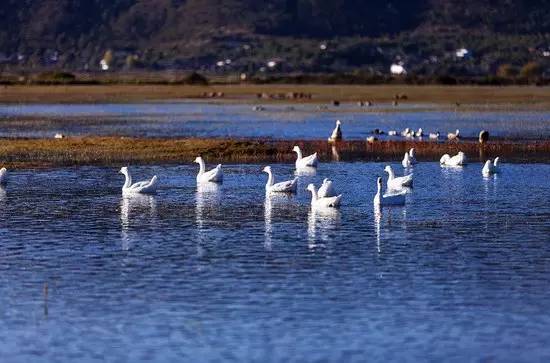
x: 457, y: 160
x: 434, y: 136
x: 215, y: 175
x: 387, y: 199
x: 396, y: 183
x: 412, y: 156
x: 288, y: 186
x: 491, y: 167
x: 318, y: 202
x: 143, y: 187
x: 392, y: 133
x: 304, y: 162
x: 327, y: 189
x: 3, y: 176
x: 336, y: 133
x: 454, y: 136
x: 420, y: 133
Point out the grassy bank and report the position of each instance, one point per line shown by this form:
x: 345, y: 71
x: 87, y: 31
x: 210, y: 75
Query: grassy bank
x: 521, y: 95
x: 45, y: 153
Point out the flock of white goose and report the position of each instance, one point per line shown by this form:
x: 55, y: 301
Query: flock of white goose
x: 325, y: 196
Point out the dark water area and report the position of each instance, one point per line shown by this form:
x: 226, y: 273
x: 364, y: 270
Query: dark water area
x: 222, y: 273
x: 190, y: 119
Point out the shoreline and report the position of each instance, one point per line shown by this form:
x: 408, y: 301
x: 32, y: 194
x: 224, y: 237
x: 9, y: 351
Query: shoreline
x: 23, y: 153
x: 453, y: 96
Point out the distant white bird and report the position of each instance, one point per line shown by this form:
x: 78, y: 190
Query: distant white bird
x: 3, y: 176
x: 336, y: 133
x: 412, y: 156
x: 457, y: 160
x: 406, y: 132
x: 419, y: 133
x: 396, y: 183
x: 434, y: 136
x: 215, y: 175
x: 318, y: 202
x: 288, y: 186
x: 454, y: 136
x: 491, y: 167
x: 59, y: 136
x: 143, y: 187
x: 392, y: 199
x: 304, y: 162
x: 392, y: 133
x: 327, y: 189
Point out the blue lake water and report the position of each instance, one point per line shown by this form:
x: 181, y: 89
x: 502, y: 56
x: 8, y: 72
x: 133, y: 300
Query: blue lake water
x: 193, y: 119
x: 461, y: 273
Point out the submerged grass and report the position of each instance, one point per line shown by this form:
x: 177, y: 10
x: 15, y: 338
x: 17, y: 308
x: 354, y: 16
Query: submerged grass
x: 108, y: 151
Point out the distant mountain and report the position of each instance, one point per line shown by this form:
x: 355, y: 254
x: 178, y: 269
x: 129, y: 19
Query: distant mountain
x: 298, y: 35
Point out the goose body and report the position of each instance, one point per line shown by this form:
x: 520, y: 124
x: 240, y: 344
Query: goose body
x: 336, y: 133
x: 327, y: 189
x: 326, y: 202
x: 454, y: 136
x: 214, y: 176
x: 288, y: 186
x: 491, y: 167
x: 393, y: 199
x: 3, y: 176
x: 143, y: 187
x: 304, y: 162
x: 457, y: 160
x: 434, y: 136
x: 396, y: 183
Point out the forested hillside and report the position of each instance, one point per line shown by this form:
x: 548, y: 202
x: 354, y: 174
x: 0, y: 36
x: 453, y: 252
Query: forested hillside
x: 298, y: 35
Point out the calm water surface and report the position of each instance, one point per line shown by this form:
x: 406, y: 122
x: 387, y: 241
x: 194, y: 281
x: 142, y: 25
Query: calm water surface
x: 277, y: 121
x: 462, y: 273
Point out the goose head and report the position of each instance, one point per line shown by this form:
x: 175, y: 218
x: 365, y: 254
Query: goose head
x: 198, y: 159
x: 457, y: 132
x: 311, y: 188
x: 296, y: 149
x: 387, y: 169
x: 338, y: 123
x: 267, y: 169
x: 412, y: 152
x: 379, y: 182
x: 123, y: 170
x: 497, y: 159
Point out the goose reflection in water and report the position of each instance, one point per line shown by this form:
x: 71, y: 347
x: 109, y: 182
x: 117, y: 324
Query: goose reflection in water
x: 135, y: 209
x: 389, y: 218
x: 207, y: 199
x: 305, y: 171
x: 321, y: 222
x: 274, y: 204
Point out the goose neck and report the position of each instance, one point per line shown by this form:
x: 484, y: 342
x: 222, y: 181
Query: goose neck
x: 270, y: 179
x: 128, y: 179
x: 314, y: 196
x: 202, y: 166
x: 299, y: 153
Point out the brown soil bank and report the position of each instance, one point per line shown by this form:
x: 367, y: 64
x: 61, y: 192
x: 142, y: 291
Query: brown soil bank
x: 277, y: 93
x: 28, y: 153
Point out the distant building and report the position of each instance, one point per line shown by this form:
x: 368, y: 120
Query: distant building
x: 397, y: 69
x: 104, y: 65
x: 462, y: 53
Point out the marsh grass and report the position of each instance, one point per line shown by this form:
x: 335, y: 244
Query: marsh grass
x: 479, y: 95
x: 43, y: 153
